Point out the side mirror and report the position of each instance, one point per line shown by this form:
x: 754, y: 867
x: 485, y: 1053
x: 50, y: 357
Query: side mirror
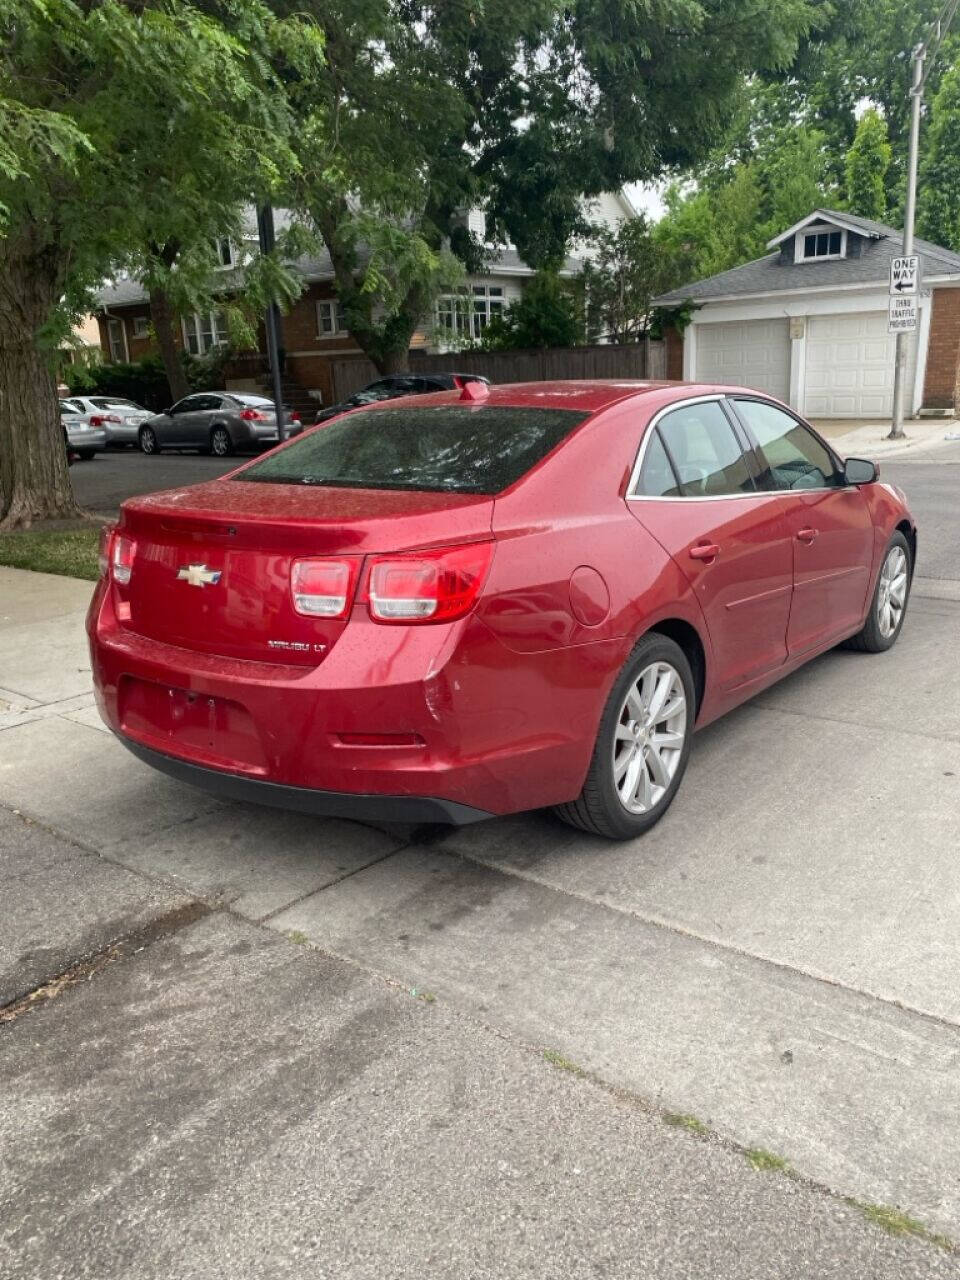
x: 859, y: 471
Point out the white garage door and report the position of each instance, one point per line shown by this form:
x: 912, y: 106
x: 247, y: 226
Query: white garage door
x: 850, y: 367
x: 754, y: 353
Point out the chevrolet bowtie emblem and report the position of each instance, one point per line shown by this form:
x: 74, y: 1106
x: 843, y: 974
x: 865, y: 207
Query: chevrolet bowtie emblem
x: 198, y: 575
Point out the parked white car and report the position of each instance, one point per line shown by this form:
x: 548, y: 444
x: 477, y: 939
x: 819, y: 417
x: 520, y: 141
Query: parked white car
x: 121, y: 419
x: 84, y: 439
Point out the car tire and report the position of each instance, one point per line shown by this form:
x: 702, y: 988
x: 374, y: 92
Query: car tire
x: 221, y: 442
x: 148, y: 441
x: 888, y: 608
x: 604, y: 806
x: 87, y: 455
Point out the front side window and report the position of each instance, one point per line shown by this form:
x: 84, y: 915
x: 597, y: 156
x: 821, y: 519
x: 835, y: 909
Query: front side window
x: 704, y: 452
x: 447, y: 449
x: 792, y: 455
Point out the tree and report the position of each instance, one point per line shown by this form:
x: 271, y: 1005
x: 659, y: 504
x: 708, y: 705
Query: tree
x: 523, y: 109
x: 547, y: 314
x: 866, y: 167
x: 938, y: 203
x: 627, y: 270
x: 739, y: 207
x: 88, y: 92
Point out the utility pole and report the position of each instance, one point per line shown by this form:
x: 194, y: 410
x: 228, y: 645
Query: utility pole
x: 930, y: 47
x: 272, y: 322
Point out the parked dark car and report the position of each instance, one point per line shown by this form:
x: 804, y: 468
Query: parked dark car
x: 400, y: 384
x: 217, y: 422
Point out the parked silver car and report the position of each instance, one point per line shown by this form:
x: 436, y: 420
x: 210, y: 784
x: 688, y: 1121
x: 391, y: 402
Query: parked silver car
x: 84, y: 439
x: 217, y: 422
x: 121, y: 419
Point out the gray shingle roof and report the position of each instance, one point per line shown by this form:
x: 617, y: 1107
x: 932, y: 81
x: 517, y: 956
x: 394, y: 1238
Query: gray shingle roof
x: 772, y: 275
x: 125, y: 293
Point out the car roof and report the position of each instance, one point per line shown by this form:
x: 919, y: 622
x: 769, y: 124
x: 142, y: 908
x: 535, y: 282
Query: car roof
x: 586, y: 396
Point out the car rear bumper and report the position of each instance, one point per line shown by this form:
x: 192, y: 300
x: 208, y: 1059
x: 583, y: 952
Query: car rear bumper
x: 363, y: 807
x: 84, y: 441
x: 433, y: 720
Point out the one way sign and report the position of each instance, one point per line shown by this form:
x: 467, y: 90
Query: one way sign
x: 905, y: 276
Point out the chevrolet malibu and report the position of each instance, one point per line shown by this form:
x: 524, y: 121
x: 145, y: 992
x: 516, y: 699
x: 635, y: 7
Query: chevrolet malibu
x: 491, y: 600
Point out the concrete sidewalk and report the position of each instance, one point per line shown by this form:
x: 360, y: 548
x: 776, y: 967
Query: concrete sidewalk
x: 922, y: 436
x: 317, y: 1048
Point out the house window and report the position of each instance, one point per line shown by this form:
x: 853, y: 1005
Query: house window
x: 118, y: 340
x: 466, y: 314
x: 817, y: 243
x: 141, y: 326
x: 205, y: 331
x: 224, y: 251
x: 329, y: 319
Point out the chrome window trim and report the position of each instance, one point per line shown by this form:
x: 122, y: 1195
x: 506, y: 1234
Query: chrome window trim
x: 720, y: 497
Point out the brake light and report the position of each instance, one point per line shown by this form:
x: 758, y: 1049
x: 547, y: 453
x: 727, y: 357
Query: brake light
x: 106, y: 540
x: 428, y: 586
x: 294, y: 417
x: 98, y: 419
x: 123, y: 552
x: 324, y: 588
x: 253, y: 415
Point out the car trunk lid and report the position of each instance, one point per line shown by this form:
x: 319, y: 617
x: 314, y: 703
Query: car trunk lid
x: 212, y: 565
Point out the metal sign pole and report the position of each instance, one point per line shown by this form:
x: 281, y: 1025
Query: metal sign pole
x: 900, y: 368
x: 265, y: 230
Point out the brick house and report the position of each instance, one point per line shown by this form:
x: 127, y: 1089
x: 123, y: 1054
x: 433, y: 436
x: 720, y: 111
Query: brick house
x: 808, y: 322
x: 315, y: 342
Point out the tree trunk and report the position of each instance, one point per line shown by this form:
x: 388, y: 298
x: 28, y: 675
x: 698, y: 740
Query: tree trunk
x: 390, y: 361
x: 34, y: 481
x: 163, y: 320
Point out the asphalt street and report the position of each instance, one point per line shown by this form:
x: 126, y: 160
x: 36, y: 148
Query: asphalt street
x: 236, y: 1042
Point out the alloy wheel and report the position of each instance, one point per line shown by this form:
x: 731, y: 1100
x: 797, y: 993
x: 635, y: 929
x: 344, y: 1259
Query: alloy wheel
x: 220, y: 442
x: 892, y: 591
x: 649, y: 738
x: 148, y: 441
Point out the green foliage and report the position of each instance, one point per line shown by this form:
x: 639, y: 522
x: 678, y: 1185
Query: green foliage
x: 730, y: 218
x: 71, y: 552
x: 424, y: 104
x: 867, y: 163
x: 547, y: 314
x: 145, y: 381
x: 938, y: 203
x: 627, y: 270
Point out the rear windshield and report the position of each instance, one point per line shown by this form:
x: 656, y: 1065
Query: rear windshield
x: 115, y: 404
x: 447, y: 449
x: 244, y: 398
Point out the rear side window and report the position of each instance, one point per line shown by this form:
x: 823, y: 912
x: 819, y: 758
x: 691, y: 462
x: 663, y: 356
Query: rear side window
x: 656, y: 479
x: 705, y: 452
x: 448, y: 449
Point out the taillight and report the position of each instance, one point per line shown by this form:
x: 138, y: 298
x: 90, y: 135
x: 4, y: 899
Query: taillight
x: 253, y: 415
x: 294, y: 417
x: 123, y: 552
x: 428, y: 586
x: 106, y: 539
x: 324, y: 588
x: 98, y: 419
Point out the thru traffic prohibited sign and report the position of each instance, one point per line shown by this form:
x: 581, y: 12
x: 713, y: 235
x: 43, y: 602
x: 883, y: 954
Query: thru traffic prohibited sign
x: 902, y: 316
x: 905, y: 277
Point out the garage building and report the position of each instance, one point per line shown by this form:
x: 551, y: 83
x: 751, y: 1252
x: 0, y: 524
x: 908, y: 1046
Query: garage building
x: 808, y: 322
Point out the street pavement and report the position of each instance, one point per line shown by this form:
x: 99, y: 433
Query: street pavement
x: 283, y: 1045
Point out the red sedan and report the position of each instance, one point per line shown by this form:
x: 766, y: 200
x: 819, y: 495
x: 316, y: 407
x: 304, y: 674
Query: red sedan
x: 493, y: 600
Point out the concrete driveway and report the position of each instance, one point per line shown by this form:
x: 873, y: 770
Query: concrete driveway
x: 275, y: 1044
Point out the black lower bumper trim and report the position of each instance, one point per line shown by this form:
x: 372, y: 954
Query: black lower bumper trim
x: 329, y: 804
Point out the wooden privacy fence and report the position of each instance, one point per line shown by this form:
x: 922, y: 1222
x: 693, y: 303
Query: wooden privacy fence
x: 647, y: 359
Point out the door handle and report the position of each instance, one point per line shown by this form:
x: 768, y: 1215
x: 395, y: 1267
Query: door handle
x: 807, y: 535
x: 705, y: 551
